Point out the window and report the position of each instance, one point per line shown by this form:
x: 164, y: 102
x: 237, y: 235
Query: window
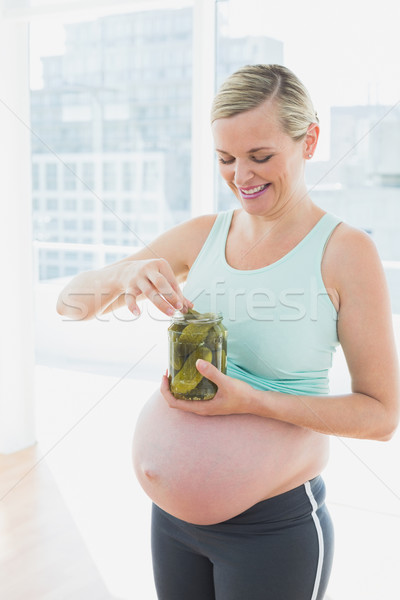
x: 112, y: 257
x: 151, y: 174
x: 108, y: 116
x: 87, y: 225
x: 109, y: 206
x: 70, y: 224
x: 70, y: 204
x: 51, y: 204
x: 109, y: 176
x: 109, y: 226
x: 87, y: 175
x: 35, y: 176
x: 129, y: 206
x: 128, y: 176
x: 71, y: 256
x: 88, y: 204
x: 51, y: 170
x: 70, y: 176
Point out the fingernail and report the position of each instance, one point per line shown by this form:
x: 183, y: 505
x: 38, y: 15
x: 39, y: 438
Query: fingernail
x: 179, y: 305
x: 170, y: 311
x: 136, y: 311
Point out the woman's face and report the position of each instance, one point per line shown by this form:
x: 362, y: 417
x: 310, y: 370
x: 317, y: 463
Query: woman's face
x: 261, y: 164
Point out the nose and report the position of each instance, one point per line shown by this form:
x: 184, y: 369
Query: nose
x: 243, y: 172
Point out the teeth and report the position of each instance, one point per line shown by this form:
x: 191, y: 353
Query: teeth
x: 254, y: 190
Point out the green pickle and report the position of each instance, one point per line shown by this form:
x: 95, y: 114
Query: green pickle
x: 192, y: 336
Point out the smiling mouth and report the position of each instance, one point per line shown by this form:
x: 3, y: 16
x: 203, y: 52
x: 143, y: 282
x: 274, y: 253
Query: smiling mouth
x: 255, y: 191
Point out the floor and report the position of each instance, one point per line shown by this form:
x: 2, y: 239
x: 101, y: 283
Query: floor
x: 42, y: 555
x: 90, y: 511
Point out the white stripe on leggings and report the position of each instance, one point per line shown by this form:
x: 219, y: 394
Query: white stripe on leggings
x: 320, y: 539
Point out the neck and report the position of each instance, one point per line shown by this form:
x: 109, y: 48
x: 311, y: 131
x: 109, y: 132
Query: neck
x: 287, y: 216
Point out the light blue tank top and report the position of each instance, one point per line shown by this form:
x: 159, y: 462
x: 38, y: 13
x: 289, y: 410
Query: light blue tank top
x: 282, y: 325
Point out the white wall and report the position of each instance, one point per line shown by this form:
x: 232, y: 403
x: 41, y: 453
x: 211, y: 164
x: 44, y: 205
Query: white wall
x: 16, y: 269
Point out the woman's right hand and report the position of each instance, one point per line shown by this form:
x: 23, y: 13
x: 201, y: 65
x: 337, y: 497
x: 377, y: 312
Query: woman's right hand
x: 155, y: 279
x: 143, y: 275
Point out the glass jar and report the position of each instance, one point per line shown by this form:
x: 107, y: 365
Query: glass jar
x: 192, y: 336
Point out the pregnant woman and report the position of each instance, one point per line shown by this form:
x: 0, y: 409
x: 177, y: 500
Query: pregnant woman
x: 238, y: 497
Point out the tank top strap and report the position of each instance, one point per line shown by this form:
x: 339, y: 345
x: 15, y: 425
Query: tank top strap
x: 213, y: 248
x: 219, y: 232
x: 318, y: 238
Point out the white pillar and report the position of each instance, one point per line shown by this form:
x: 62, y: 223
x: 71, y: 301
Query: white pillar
x: 203, y: 89
x: 16, y: 258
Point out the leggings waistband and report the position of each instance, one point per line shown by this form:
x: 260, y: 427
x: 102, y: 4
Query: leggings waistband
x: 293, y: 504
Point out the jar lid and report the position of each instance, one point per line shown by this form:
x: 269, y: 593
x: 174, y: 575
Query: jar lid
x: 196, y: 317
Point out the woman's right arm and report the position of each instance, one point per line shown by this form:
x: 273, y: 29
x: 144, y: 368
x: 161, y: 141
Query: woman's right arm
x: 153, y: 272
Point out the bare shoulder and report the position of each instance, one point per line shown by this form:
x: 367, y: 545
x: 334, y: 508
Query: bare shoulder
x: 192, y: 235
x: 181, y: 244
x: 347, y: 242
x: 194, y: 232
x: 350, y: 255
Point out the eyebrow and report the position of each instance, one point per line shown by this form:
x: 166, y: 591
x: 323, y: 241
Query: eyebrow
x: 249, y: 151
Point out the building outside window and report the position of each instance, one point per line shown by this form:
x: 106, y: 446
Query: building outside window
x: 88, y: 175
x: 70, y: 176
x: 51, y: 176
x: 70, y: 204
x: 52, y: 204
x: 35, y: 177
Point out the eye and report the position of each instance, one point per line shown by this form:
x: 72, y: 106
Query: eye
x: 262, y: 160
x: 226, y: 162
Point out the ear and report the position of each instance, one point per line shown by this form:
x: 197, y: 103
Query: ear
x: 311, y: 139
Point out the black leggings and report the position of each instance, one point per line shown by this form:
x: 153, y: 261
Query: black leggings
x: 279, y: 549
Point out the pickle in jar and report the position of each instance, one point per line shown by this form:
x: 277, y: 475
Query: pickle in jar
x: 195, y: 333
x: 188, y: 377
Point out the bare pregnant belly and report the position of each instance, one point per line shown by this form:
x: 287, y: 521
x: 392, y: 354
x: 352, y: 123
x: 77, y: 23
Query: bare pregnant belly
x: 208, y: 469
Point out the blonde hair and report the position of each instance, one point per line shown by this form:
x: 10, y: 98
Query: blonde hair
x: 252, y: 85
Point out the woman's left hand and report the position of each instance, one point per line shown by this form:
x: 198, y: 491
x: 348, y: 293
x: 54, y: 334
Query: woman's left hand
x: 231, y: 398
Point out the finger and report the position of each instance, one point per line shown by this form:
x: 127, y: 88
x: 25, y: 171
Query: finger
x: 148, y: 289
x: 165, y: 289
x: 186, y: 305
x: 130, y: 300
x: 209, y: 371
x: 184, y: 405
x: 164, y: 384
x: 166, y: 392
x: 166, y: 270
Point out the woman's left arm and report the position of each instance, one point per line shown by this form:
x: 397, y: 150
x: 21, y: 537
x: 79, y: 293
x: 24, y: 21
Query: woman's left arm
x: 366, y: 335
